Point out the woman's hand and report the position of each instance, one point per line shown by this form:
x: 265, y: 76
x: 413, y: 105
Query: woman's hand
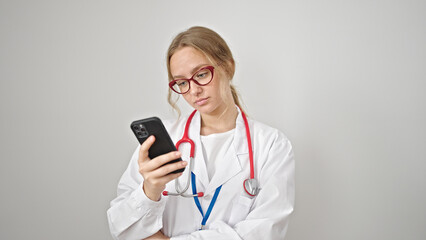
x: 158, y: 236
x: 155, y: 175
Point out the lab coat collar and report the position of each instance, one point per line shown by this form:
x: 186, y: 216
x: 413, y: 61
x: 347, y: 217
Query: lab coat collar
x: 228, y: 167
x: 240, y: 138
x: 200, y: 169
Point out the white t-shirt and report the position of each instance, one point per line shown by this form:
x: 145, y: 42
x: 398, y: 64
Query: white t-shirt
x: 215, y: 147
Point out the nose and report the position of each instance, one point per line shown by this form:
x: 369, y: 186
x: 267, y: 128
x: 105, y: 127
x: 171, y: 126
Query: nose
x: 195, y: 89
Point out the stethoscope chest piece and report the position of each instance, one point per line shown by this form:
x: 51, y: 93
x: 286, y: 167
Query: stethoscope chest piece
x: 251, y: 186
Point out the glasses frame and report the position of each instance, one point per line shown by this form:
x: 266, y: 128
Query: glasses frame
x: 211, y: 68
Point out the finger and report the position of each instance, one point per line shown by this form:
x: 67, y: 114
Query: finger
x: 161, y: 160
x: 168, y: 168
x: 171, y: 177
x: 163, y: 180
x: 145, y: 146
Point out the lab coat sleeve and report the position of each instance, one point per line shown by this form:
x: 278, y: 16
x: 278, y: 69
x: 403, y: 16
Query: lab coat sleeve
x: 269, y: 214
x: 132, y: 214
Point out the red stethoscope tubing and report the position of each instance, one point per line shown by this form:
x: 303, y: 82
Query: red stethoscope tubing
x: 250, y: 148
x: 185, y: 139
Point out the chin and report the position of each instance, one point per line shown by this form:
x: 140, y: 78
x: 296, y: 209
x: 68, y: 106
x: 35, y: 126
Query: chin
x: 202, y: 109
x: 206, y: 109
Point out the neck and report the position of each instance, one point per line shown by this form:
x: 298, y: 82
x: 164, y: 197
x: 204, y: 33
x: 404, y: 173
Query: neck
x: 220, y: 122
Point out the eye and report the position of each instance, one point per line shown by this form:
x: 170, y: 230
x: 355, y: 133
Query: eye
x: 181, y: 83
x: 202, y: 74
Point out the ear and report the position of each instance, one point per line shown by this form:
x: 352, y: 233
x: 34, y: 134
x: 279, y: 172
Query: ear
x: 231, y: 66
x: 231, y: 63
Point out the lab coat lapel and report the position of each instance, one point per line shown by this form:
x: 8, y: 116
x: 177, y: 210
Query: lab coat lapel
x: 230, y: 165
x: 200, y: 169
x: 240, y: 138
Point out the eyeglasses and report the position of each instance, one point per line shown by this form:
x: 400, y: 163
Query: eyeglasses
x: 202, y: 77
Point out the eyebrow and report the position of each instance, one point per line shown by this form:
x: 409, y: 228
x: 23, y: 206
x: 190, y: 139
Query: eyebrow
x: 195, y: 69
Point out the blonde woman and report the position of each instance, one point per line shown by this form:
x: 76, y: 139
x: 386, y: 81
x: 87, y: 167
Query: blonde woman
x: 242, y: 173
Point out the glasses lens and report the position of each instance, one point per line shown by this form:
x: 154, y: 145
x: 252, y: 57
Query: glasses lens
x: 181, y: 86
x: 203, y: 76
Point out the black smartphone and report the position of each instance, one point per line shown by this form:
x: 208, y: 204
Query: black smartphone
x: 163, y: 143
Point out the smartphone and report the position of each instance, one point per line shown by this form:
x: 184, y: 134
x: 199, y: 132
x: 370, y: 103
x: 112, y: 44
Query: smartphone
x: 163, y: 143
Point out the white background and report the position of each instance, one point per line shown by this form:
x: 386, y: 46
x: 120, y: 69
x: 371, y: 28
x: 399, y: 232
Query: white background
x: 344, y: 80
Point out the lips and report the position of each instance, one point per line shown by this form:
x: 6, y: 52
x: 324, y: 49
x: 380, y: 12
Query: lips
x: 201, y: 101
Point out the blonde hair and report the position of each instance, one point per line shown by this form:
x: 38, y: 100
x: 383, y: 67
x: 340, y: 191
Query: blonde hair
x: 210, y: 44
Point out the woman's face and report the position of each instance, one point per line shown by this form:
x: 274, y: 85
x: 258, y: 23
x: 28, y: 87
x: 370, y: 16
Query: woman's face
x: 206, y: 99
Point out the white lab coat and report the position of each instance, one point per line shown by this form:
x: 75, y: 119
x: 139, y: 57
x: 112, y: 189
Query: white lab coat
x: 235, y: 215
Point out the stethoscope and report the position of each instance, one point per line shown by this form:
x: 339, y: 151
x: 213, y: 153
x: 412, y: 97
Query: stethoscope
x: 250, y: 185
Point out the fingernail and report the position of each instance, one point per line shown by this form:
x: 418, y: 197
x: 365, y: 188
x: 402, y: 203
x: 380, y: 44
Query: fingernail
x: 184, y: 163
x: 177, y: 154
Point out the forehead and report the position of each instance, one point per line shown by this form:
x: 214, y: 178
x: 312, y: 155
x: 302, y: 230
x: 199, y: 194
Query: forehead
x: 186, y: 60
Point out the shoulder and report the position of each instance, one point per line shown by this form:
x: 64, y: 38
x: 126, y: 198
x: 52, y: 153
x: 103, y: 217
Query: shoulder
x: 273, y: 151
x: 265, y: 132
x: 270, y: 144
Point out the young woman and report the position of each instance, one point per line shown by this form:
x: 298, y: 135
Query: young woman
x: 241, y: 200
